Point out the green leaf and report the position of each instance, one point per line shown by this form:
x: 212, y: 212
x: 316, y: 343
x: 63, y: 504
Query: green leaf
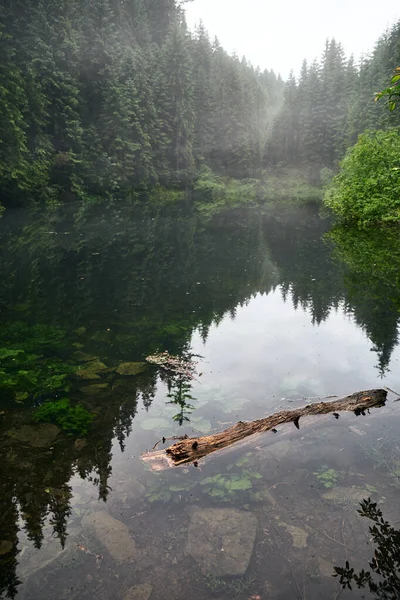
x: 241, y: 484
x: 177, y: 488
x: 155, y: 423
x: 216, y: 492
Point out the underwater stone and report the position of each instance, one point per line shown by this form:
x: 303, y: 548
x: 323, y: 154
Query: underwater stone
x: 80, y: 444
x: 91, y: 370
x: 346, y: 495
x: 83, y: 357
x: 139, y: 592
x: 96, y: 388
x: 221, y: 540
x: 131, y: 368
x: 5, y: 546
x: 112, y: 534
x: 38, y: 436
x: 298, y: 534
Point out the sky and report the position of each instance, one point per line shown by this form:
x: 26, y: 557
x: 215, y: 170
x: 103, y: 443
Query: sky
x: 278, y: 34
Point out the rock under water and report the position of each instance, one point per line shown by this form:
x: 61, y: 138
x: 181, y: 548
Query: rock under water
x: 221, y: 540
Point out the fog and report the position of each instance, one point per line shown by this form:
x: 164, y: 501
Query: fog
x: 279, y: 35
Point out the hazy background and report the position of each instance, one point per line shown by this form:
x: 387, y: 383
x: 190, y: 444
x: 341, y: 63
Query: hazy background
x: 280, y: 34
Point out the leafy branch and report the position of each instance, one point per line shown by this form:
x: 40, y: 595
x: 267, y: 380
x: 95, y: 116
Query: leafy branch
x: 392, y: 93
x: 385, y: 562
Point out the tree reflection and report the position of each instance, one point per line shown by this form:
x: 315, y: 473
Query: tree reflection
x: 386, y: 560
x: 372, y: 280
x: 128, y: 281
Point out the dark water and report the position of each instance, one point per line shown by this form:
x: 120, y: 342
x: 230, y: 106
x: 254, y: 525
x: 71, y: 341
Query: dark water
x: 278, y: 312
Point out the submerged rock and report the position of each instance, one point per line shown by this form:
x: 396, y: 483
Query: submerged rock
x: 298, y: 534
x: 84, y: 357
x: 96, y: 388
x: 139, y: 592
x: 221, y: 540
x: 113, y: 535
x: 126, y: 386
x: 80, y: 444
x: 5, y: 546
x: 34, y: 560
x: 346, y: 495
x: 280, y: 449
x: 38, y: 436
x: 92, y: 370
x: 325, y: 567
x: 131, y: 368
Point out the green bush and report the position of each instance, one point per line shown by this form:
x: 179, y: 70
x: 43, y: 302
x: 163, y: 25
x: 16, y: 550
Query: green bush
x: 367, y: 189
x: 210, y: 186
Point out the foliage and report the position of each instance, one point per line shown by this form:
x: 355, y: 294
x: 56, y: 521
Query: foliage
x: 24, y: 376
x: 385, y: 562
x: 328, y: 477
x: 367, y: 189
x: 210, y: 186
x: 226, y: 487
x: 222, y: 488
x: 279, y: 186
x: 29, y: 367
x: 33, y: 338
x: 392, y: 93
x: 74, y: 420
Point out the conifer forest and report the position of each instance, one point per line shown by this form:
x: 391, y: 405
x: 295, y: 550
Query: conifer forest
x: 103, y: 98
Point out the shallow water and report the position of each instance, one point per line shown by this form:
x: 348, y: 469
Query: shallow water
x: 275, y: 315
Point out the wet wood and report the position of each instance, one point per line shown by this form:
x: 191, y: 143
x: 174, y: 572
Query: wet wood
x: 190, y: 450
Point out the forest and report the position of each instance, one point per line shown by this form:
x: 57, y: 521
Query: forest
x: 113, y: 98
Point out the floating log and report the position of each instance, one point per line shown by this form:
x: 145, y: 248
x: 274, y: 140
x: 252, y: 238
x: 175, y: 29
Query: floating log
x: 190, y: 450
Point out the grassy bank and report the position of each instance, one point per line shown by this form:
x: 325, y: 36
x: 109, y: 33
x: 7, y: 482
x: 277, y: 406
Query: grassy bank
x: 279, y: 186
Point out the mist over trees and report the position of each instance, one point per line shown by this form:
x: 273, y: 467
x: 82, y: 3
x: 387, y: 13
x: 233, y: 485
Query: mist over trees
x: 104, y: 98
x: 101, y: 97
x: 330, y: 104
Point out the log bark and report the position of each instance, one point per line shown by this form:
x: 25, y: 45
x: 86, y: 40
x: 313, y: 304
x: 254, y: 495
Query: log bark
x: 190, y: 450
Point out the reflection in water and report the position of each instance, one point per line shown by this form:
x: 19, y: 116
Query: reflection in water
x: 113, y: 286
x: 385, y: 562
x: 372, y: 284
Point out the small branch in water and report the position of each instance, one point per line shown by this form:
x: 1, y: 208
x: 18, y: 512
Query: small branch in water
x: 333, y: 539
x: 393, y: 392
x: 168, y: 439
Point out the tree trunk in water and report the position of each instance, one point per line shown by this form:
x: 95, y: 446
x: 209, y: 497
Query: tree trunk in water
x: 190, y: 450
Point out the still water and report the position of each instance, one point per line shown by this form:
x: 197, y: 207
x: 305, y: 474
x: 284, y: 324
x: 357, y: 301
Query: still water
x: 275, y: 312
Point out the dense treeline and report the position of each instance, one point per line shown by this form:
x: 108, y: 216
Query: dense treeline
x: 108, y: 97
x: 104, y: 97
x: 331, y: 103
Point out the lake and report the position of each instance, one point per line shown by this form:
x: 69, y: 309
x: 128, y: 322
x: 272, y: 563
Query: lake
x: 272, y: 311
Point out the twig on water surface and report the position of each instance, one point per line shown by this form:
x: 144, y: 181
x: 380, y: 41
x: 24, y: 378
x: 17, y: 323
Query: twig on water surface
x: 174, y: 437
x: 393, y: 392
